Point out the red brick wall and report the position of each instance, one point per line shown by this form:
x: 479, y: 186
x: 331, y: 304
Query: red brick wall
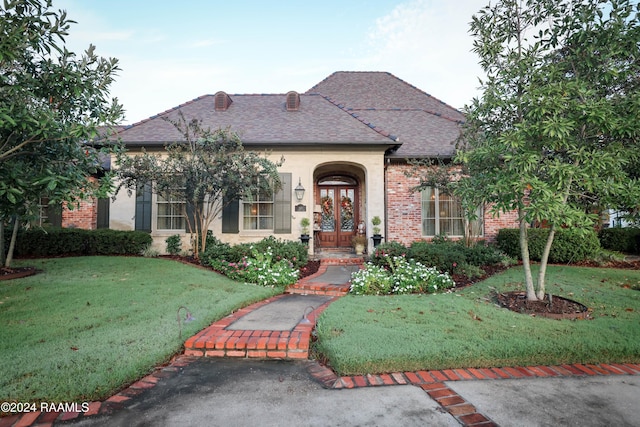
x: 404, y: 210
x: 84, y: 216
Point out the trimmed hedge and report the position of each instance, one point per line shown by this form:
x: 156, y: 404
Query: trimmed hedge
x: 569, y: 245
x: 445, y: 255
x: 73, y: 241
x: 625, y: 240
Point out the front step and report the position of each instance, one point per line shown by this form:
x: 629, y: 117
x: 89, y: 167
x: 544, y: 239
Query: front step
x: 219, y: 340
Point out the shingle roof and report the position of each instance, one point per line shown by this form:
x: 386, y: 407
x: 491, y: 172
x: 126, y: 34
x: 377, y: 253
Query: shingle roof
x: 345, y: 108
x: 261, y: 119
x: 424, y: 125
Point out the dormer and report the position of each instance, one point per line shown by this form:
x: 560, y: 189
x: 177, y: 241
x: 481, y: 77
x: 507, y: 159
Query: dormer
x: 222, y: 101
x: 293, y: 101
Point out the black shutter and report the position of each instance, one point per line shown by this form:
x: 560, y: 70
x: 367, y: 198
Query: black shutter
x: 282, y: 206
x: 54, y: 215
x: 143, y: 208
x: 103, y: 213
x: 230, y: 217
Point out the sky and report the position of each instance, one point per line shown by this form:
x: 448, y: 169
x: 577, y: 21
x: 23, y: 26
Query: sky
x: 173, y: 52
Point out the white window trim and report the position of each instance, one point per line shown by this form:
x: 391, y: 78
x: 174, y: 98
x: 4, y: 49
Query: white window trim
x: 437, y: 218
x: 154, y: 220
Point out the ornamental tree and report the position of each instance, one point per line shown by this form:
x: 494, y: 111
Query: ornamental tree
x: 555, y: 129
x: 207, y: 170
x: 52, y: 102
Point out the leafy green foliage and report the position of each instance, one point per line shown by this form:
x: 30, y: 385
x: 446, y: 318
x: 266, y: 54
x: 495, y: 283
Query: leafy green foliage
x: 53, y: 102
x: 174, y: 244
x: 444, y: 257
x: 569, y: 245
x: 72, y: 241
x: 207, y: 169
x: 260, y: 268
x: 386, y: 251
x: 293, y: 251
x: 555, y: 129
x: 402, y: 277
x: 621, y: 239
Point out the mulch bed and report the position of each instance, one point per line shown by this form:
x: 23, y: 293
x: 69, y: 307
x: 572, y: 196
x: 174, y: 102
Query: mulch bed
x: 557, y: 308
x: 16, y: 272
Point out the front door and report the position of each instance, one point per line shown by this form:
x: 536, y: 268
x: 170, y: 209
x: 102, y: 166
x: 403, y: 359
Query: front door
x: 338, y: 215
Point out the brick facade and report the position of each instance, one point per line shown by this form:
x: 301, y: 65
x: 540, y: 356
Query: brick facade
x: 84, y: 215
x: 404, y: 209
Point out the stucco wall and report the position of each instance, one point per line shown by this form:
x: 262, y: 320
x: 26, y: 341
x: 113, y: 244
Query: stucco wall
x: 304, y: 165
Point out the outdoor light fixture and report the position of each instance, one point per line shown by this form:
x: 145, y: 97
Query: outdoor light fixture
x: 188, y: 317
x: 305, y: 319
x: 299, y: 190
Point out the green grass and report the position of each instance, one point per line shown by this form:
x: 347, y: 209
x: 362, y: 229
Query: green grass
x: 369, y: 334
x: 85, y: 327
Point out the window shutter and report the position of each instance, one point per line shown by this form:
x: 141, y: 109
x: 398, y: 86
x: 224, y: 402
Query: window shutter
x: 103, y: 213
x: 282, y: 206
x: 230, y: 213
x: 143, y: 208
x: 54, y: 215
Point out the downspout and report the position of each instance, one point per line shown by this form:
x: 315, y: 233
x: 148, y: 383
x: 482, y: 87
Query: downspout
x: 386, y: 202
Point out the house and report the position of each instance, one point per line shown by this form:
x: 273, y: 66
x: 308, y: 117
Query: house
x: 345, y: 142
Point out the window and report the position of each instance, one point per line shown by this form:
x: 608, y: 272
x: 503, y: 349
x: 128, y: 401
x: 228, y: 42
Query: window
x: 258, y: 211
x: 170, y: 213
x: 48, y: 214
x: 442, y: 214
x: 265, y: 211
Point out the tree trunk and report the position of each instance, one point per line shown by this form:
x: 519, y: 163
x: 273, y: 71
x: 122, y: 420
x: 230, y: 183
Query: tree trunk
x: 12, y: 244
x: 526, y: 263
x: 544, y: 261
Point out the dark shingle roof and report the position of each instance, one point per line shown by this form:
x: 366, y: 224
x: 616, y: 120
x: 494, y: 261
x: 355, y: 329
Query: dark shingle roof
x: 345, y: 108
x: 424, y: 125
x: 261, y: 119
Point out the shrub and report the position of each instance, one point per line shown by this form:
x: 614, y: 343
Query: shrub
x: 481, y: 254
x: 569, y: 245
x: 174, y: 244
x: 260, y: 268
x: 403, y: 277
x: 372, y: 280
x: 386, y: 251
x: 216, y: 250
x: 442, y: 256
x: 74, y: 241
x: 293, y: 251
x: 621, y: 239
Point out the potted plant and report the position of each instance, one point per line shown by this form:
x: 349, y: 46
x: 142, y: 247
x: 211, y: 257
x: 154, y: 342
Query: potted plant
x: 359, y: 241
x: 377, y: 238
x: 304, y: 230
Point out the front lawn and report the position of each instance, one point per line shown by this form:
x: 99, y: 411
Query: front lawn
x: 85, y: 327
x: 376, y: 334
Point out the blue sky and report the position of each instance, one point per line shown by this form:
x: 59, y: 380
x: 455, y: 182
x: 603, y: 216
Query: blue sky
x: 172, y: 52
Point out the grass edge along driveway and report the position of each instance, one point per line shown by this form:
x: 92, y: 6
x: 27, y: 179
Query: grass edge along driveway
x: 465, y: 328
x: 85, y: 327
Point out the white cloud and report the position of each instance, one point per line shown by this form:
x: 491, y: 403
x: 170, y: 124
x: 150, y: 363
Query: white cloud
x: 426, y: 43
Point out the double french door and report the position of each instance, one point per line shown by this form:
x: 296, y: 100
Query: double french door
x: 338, y: 215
